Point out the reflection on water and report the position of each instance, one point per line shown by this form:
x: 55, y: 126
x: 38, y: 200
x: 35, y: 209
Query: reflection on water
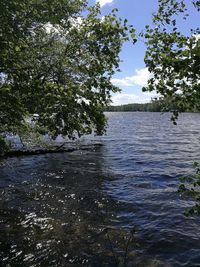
x: 67, y: 209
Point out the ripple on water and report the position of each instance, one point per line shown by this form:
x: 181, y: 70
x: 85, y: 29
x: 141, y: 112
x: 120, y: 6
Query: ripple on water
x: 57, y: 210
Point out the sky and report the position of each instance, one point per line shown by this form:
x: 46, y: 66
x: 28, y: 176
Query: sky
x: 134, y: 74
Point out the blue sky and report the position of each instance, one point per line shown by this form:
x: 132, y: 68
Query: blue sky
x: 133, y: 73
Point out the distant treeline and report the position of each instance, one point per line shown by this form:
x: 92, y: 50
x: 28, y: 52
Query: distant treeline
x: 154, y: 106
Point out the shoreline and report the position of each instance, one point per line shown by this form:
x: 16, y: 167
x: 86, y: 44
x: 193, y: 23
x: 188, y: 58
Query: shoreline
x: 43, y: 151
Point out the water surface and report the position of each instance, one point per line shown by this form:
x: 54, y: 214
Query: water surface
x: 67, y: 209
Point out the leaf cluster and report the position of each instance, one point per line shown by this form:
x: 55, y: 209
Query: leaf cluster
x: 172, y: 57
x: 57, y: 59
x: 190, y: 186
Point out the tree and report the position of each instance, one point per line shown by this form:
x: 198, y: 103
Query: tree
x: 57, y: 59
x: 172, y: 57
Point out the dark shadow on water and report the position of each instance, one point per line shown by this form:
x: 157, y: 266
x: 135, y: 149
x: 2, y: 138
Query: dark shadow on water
x: 54, y: 213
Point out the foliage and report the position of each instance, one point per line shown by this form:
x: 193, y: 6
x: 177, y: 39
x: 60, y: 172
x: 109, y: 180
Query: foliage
x: 57, y: 59
x: 173, y: 57
x: 191, y: 187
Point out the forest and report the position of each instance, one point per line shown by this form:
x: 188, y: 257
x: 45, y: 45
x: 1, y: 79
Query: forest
x: 153, y: 106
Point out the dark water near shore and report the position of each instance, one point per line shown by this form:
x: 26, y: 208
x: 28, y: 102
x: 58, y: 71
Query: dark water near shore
x: 77, y: 208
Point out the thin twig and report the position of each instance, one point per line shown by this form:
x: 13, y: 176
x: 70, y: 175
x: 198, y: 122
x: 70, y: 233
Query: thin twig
x: 126, y: 249
x: 112, y: 250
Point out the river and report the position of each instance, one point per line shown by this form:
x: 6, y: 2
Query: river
x: 83, y: 208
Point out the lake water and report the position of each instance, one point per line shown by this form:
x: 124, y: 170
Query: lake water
x: 78, y: 209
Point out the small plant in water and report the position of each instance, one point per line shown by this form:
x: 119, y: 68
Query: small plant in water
x: 125, y: 256
x: 190, y: 186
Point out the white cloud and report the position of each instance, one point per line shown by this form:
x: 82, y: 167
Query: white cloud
x: 75, y: 22
x: 121, y: 82
x: 123, y: 98
x: 140, y: 78
x: 197, y: 36
x: 104, y: 2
